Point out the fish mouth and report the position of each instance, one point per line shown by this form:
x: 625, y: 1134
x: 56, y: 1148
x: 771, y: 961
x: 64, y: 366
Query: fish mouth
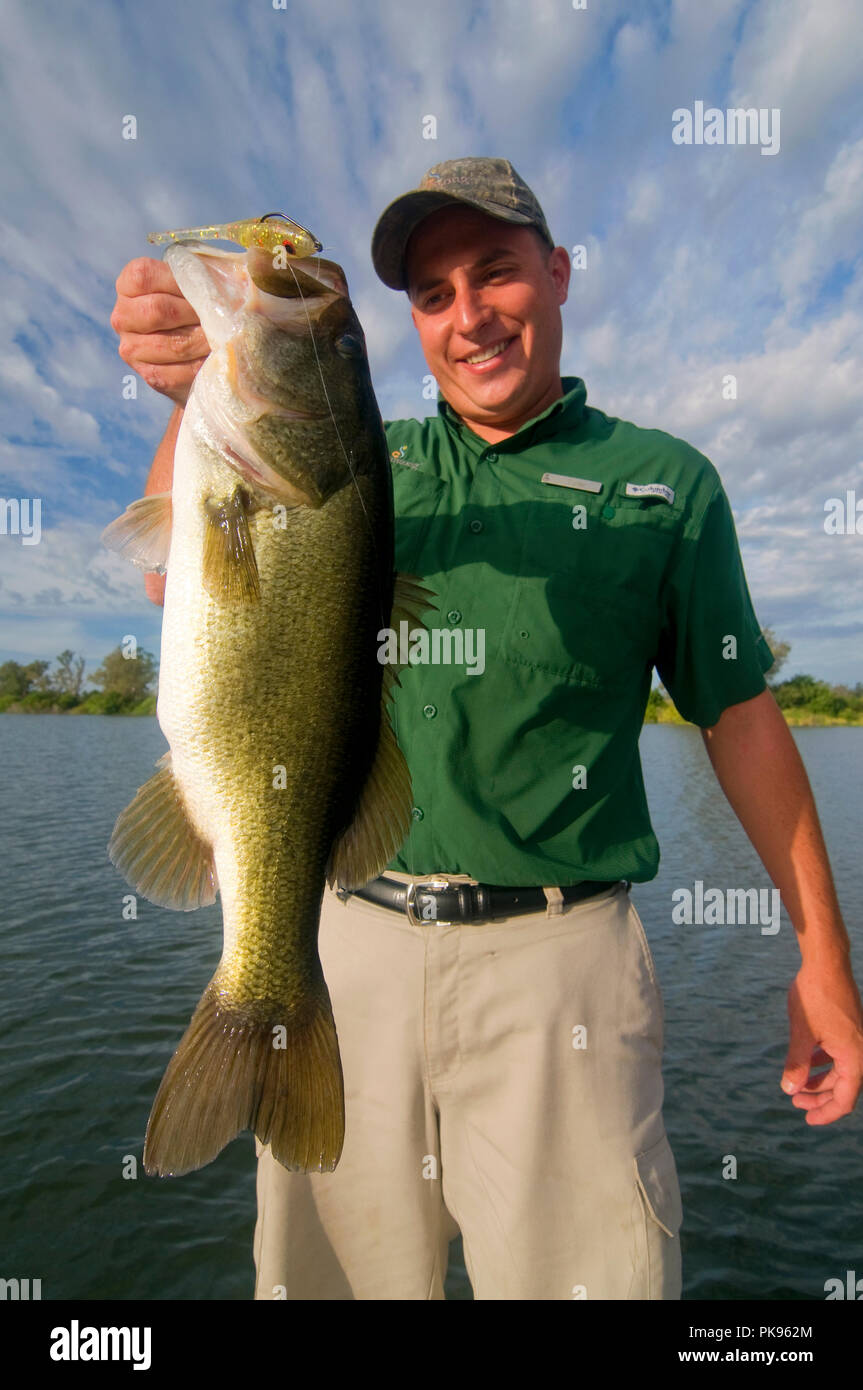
x: 215, y: 284
x: 227, y: 289
x: 309, y: 278
x: 223, y: 286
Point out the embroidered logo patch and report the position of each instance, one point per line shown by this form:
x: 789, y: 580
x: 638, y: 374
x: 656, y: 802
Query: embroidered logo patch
x: 650, y: 490
x: 398, y: 456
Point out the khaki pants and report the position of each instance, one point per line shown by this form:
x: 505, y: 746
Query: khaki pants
x: 503, y: 1080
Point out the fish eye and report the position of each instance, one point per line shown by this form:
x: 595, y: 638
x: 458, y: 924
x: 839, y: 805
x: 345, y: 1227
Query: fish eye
x: 349, y: 345
x: 289, y: 248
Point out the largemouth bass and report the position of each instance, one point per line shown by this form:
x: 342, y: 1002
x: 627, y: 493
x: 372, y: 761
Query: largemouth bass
x: 283, y: 771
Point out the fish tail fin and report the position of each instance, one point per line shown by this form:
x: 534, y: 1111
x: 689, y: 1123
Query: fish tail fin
x: 251, y: 1067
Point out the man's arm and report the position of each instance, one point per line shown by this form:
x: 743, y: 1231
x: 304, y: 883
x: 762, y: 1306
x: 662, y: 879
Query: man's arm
x: 162, y: 339
x: 761, y: 773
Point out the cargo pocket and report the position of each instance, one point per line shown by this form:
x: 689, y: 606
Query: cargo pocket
x: 586, y: 608
x: 662, y: 1215
x: 576, y: 634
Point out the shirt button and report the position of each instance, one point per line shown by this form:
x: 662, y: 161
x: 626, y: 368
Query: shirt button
x: 416, y: 812
x: 476, y: 526
x: 453, y: 616
x: 492, y: 458
x: 429, y: 711
x: 607, y: 510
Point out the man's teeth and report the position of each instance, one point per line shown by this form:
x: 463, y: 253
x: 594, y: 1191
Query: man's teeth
x: 488, y: 352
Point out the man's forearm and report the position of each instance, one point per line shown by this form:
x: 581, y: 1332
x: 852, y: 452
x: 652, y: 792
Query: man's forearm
x: 160, y: 479
x: 161, y: 474
x: 761, y: 772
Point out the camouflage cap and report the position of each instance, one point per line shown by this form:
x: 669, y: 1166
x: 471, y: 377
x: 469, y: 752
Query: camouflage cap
x: 492, y: 185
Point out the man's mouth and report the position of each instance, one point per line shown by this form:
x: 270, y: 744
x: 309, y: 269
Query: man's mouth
x: 486, y: 357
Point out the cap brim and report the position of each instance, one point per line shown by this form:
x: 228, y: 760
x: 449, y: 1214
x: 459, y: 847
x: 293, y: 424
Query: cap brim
x: 402, y: 217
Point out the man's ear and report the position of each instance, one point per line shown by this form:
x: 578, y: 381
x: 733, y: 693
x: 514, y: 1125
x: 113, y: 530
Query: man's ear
x: 560, y: 269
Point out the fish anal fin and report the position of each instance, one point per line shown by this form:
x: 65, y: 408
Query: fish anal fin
x: 157, y: 849
x: 250, y: 1067
x: 143, y: 533
x: 230, y: 570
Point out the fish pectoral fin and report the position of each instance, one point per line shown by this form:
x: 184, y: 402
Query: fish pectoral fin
x: 410, y: 596
x: 251, y: 1066
x: 230, y: 567
x: 382, y: 817
x: 143, y: 533
x: 157, y: 849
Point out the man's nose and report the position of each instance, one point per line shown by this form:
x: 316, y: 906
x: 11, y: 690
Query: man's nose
x: 470, y: 310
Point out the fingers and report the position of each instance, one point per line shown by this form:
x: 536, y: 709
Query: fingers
x: 828, y: 1097
x: 161, y: 337
x: 172, y: 381
x: 145, y: 275
x: 831, y: 1105
x: 152, y: 313
x: 149, y: 300
x: 163, y: 346
x: 814, y: 1082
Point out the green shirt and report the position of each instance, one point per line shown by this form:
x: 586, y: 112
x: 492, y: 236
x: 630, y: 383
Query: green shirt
x: 529, y: 772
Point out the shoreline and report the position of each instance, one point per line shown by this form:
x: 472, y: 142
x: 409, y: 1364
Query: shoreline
x: 802, y: 719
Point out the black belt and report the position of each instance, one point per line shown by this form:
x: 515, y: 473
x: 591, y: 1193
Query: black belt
x: 438, y: 901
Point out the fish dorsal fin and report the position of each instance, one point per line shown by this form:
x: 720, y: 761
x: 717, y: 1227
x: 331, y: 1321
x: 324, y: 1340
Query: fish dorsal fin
x: 157, y: 849
x: 230, y: 567
x: 383, y: 815
x: 143, y: 533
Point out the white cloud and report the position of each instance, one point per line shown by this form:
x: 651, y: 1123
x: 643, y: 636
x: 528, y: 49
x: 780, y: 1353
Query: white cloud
x: 828, y: 229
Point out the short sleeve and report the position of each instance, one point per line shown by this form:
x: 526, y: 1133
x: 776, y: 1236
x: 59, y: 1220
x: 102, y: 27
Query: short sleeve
x: 711, y: 653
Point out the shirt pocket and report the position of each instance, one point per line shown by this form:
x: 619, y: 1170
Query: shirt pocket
x: 417, y: 498
x: 585, y: 606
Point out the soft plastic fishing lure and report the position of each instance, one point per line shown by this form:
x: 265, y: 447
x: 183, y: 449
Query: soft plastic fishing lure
x: 269, y: 232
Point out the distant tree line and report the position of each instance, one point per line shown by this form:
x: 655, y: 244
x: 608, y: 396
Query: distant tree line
x: 804, y: 698
x: 127, y: 685
x: 122, y: 685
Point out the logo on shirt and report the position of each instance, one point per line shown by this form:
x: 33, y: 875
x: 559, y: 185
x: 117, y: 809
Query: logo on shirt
x: 650, y: 490
x: 398, y: 456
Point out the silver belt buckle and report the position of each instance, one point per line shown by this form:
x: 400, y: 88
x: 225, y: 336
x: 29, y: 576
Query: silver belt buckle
x: 410, y: 902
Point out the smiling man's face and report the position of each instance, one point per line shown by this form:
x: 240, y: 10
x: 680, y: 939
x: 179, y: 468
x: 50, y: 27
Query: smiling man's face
x: 477, y: 283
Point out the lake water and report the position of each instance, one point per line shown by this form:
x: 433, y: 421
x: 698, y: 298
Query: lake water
x: 93, y: 1006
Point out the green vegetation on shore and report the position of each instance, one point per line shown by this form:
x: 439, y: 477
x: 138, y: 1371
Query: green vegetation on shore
x: 802, y: 699
x: 125, y: 684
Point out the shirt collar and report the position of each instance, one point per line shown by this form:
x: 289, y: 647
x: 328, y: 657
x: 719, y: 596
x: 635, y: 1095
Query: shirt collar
x: 567, y: 411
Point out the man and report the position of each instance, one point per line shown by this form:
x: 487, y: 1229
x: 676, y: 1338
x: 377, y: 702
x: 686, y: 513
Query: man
x: 498, y: 1011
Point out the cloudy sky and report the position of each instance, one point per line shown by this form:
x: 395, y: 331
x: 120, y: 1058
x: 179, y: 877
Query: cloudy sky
x: 703, y: 261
